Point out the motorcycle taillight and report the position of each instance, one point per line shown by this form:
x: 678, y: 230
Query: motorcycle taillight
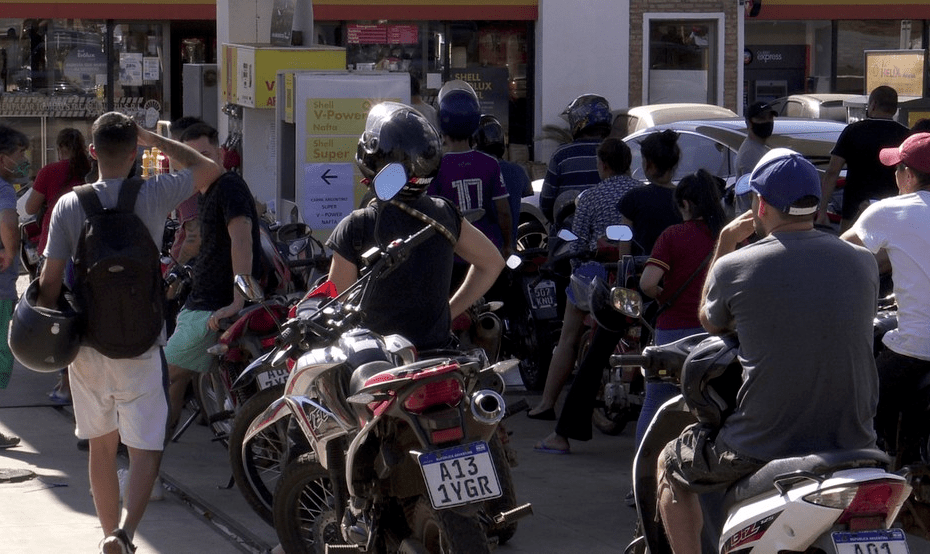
x: 864, y: 504
x: 447, y: 392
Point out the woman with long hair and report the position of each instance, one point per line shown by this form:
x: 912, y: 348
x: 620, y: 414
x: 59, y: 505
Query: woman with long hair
x: 52, y: 182
x: 675, y: 271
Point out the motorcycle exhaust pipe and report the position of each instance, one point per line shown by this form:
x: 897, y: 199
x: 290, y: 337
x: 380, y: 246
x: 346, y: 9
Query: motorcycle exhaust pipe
x: 488, y: 407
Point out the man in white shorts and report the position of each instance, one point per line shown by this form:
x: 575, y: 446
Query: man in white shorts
x: 121, y: 399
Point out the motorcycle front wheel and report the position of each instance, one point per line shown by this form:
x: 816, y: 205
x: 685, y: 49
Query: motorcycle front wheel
x: 447, y: 531
x: 304, y: 518
x: 257, y: 467
x: 217, y: 404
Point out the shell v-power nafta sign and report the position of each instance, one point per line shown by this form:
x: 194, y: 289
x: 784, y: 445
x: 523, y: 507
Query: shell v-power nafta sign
x: 328, y: 111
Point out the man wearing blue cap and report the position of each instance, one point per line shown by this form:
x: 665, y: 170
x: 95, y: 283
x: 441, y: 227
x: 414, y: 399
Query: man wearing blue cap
x: 801, y: 303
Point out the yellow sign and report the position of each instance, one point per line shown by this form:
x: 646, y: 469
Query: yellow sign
x: 338, y: 116
x: 251, y: 69
x: 902, y: 70
x: 331, y: 149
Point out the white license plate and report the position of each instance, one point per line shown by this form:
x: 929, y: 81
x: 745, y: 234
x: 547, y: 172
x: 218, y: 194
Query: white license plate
x: 271, y: 378
x: 879, y: 541
x: 543, y: 295
x: 460, y: 475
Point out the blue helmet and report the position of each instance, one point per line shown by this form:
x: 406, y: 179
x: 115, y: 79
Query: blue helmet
x: 587, y: 111
x: 459, y: 111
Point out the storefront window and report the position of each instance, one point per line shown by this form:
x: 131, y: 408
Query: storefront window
x: 682, y: 60
x: 54, y: 74
x: 855, y: 37
x: 492, y: 56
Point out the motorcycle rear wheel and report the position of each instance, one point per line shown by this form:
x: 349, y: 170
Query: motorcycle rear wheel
x: 447, y: 531
x: 303, y: 508
x: 257, y: 468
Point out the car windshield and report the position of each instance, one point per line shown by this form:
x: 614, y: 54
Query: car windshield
x: 697, y: 152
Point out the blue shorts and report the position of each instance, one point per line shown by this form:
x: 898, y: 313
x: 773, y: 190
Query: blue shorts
x: 187, y: 346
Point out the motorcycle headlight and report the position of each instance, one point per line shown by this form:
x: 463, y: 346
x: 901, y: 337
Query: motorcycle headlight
x: 626, y: 301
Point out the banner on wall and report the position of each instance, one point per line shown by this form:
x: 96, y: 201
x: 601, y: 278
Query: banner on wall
x: 902, y: 70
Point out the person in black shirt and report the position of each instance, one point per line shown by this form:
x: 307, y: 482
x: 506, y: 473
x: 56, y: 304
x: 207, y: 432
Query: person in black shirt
x: 857, y: 148
x: 230, y: 246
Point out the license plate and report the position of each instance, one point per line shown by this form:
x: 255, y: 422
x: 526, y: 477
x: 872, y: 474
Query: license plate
x: 543, y: 295
x: 271, y: 378
x: 460, y: 475
x: 879, y: 541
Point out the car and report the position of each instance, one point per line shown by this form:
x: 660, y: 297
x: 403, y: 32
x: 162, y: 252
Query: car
x: 813, y: 106
x: 713, y: 144
x: 631, y: 120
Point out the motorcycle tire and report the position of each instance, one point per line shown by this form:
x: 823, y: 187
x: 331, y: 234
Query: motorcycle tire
x: 531, y: 235
x: 217, y: 404
x: 257, y: 467
x: 304, y: 518
x: 447, y: 531
x: 538, y: 342
x: 508, y: 499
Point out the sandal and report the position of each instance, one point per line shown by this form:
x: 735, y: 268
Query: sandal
x: 118, y: 543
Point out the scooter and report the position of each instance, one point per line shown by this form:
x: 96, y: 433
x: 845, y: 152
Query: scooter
x: 844, y: 502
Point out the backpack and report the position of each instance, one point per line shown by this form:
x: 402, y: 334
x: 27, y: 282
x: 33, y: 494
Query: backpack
x: 118, y: 275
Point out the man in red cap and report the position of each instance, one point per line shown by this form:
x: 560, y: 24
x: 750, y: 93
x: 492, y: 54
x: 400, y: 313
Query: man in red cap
x: 897, y: 231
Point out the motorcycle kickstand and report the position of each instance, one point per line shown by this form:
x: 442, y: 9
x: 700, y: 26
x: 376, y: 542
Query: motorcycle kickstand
x: 177, y: 434
x: 229, y: 484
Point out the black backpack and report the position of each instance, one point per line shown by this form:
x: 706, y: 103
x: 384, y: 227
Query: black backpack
x: 118, y: 275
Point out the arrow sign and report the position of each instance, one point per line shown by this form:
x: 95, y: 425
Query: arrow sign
x: 326, y: 176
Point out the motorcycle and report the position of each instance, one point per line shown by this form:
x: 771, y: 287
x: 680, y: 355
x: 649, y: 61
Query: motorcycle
x: 403, y: 448
x: 844, y: 502
x: 622, y: 391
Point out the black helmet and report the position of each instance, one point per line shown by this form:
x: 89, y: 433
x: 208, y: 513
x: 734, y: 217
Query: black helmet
x: 489, y: 138
x: 459, y: 110
x: 711, y: 377
x: 44, y: 339
x: 587, y: 111
x: 398, y: 133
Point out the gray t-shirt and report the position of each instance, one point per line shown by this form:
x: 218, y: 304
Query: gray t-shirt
x: 802, y: 304
x: 157, y: 197
x: 749, y: 154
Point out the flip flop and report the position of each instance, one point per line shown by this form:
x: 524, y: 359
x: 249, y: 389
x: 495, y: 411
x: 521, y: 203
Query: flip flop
x: 541, y: 447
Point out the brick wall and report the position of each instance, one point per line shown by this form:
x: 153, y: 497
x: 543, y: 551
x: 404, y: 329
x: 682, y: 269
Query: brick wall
x: 731, y: 56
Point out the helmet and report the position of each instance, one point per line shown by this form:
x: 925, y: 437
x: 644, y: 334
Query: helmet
x: 44, y: 339
x: 459, y: 111
x: 710, y: 379
x: 398, y: 133
x: 587, y: 111
x: 489, y: 138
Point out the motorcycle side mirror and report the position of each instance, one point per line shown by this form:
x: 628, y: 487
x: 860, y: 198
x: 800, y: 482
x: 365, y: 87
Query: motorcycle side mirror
x: 621, y: 233
x: 249, y: 287
x: 626, y: 301
x: 513, y: 261
x: 389, y: 181
x: 567, y: 235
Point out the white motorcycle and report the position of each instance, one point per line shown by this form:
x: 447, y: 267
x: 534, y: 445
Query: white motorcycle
x: 843, y: 502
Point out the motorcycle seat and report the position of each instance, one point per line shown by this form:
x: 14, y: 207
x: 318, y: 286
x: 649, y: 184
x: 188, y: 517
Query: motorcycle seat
x: 821, y: 463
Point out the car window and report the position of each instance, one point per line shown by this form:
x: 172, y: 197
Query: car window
x: 794, y: 109
x: 697, y: 152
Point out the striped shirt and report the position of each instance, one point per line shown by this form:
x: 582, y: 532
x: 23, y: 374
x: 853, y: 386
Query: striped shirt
x: 573, y: 166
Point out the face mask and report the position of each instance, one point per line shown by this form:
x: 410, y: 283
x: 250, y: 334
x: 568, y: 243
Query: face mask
x: 20, y: 170
x: 763, y: 130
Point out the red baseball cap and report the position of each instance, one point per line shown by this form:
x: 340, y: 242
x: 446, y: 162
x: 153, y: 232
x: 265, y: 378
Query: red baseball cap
x: 914, y: 152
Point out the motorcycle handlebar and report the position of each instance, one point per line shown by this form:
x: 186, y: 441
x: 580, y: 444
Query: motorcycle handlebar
x: 630, y: 360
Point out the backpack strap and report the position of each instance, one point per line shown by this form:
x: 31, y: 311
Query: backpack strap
x: 128, y: 193
x: 88, y: 199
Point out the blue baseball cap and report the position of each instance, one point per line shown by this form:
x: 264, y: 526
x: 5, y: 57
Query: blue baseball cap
x: 782, y: 178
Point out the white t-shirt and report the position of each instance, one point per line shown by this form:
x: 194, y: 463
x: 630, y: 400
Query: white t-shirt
x: 901, y: 225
